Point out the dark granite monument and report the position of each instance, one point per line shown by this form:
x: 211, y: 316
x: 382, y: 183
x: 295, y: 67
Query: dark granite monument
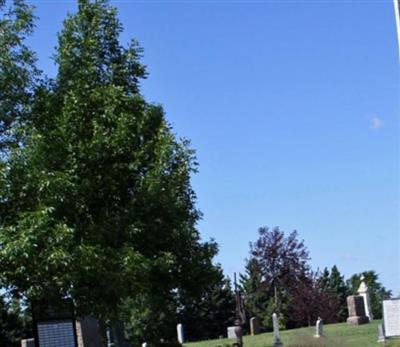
x: 355, y: 305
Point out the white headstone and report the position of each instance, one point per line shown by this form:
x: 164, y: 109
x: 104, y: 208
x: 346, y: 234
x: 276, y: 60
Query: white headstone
x: 381, y: 333
x: 254, y: 326
x: 28, y: 343
x: 391, y: 317
x: 231, y: 332
x: 275, y: 324
x: 319, y: 326
x: 363, y: 291
x: 179, y: 330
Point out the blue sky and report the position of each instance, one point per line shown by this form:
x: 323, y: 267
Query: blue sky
x: 293, y: 108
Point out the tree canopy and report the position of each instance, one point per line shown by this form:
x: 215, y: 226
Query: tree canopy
x: 95, y: 201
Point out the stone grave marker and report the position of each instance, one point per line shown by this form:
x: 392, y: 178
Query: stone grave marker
x: 88, y: 332
x: 355, y: 305
x: 363, y: 291
x: 319, y: 326
x: 28, y: 343
x: 391, y: 317
x: 381, y: 333
x: 277, y: 336
x: 54, y: 326
x: 179, y: 330
x: 254, y: 326
x: 231, y: 333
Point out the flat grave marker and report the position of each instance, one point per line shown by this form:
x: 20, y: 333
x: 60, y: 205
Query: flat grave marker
x: 391, y: 317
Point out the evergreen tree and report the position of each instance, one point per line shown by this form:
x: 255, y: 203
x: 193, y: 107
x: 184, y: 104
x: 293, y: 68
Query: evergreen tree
x: 338, y: 287
x: 208, y: 316
x: 334, y: 283
x: 324, y: 279
x: 257, y: 301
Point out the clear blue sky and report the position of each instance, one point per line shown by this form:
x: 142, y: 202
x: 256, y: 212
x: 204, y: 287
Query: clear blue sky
x: 293, y: 109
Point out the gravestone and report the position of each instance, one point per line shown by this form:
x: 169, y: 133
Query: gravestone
x: 381, y: 333
x: 231, y: 333
x: 28, y: 343
x: 254, y: 326
x: 179, y: 330
x: 319, y: 326
x: 54, y: 325
x: 355, y: 305
x: 60, y: 333
x: 363, y: 291
x: 277, y: 336
x: 391, y: 317
x: 88, y: 332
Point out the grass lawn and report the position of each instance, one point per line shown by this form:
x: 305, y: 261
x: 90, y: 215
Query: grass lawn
x: 336, y: 335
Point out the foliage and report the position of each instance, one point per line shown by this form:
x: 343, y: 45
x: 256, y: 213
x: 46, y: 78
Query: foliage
x: 18, y: 72
x: 282, y: 262
x: 208, y: 316
x: 14, y: 322
x: 377, y: 291
x: 310, y: 300
x: 257, y: 302
x: 96, y: 205
x: 334, y: 282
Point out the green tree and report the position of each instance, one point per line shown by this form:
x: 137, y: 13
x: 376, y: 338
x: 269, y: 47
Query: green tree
x: 334, y: 282
x: 257, y: 302
x: 97, y: 204
x: 207, y: 316
x: 14, y: 322
x: 18, y: 72
x: 377, y: 291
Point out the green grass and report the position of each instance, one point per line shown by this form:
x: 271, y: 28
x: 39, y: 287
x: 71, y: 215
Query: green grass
x: 336, y: 335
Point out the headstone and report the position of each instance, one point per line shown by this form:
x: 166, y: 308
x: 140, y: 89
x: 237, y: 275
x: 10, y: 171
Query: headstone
x: 54, y: 325
x: 116, y: 336
x: 319, y: 326
x: 391, y: 317
x: 28, y: 343
x: 277, y: 336
x: 88, y: 332
x: 355, y: 305
x: 363, y: 291
x: 59, y: 333
x: 381, y: 333
x: 254, y: 326
x: 238, y: 333
x: 231, y: 333
x: 179, y: 330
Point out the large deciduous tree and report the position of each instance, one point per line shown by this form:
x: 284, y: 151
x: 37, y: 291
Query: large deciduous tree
x: 95, y: 202
x: 18, y: 72
x: 282, y: 261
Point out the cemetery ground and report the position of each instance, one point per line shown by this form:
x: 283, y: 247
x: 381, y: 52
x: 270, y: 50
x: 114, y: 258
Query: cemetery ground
x: 336, y: 335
